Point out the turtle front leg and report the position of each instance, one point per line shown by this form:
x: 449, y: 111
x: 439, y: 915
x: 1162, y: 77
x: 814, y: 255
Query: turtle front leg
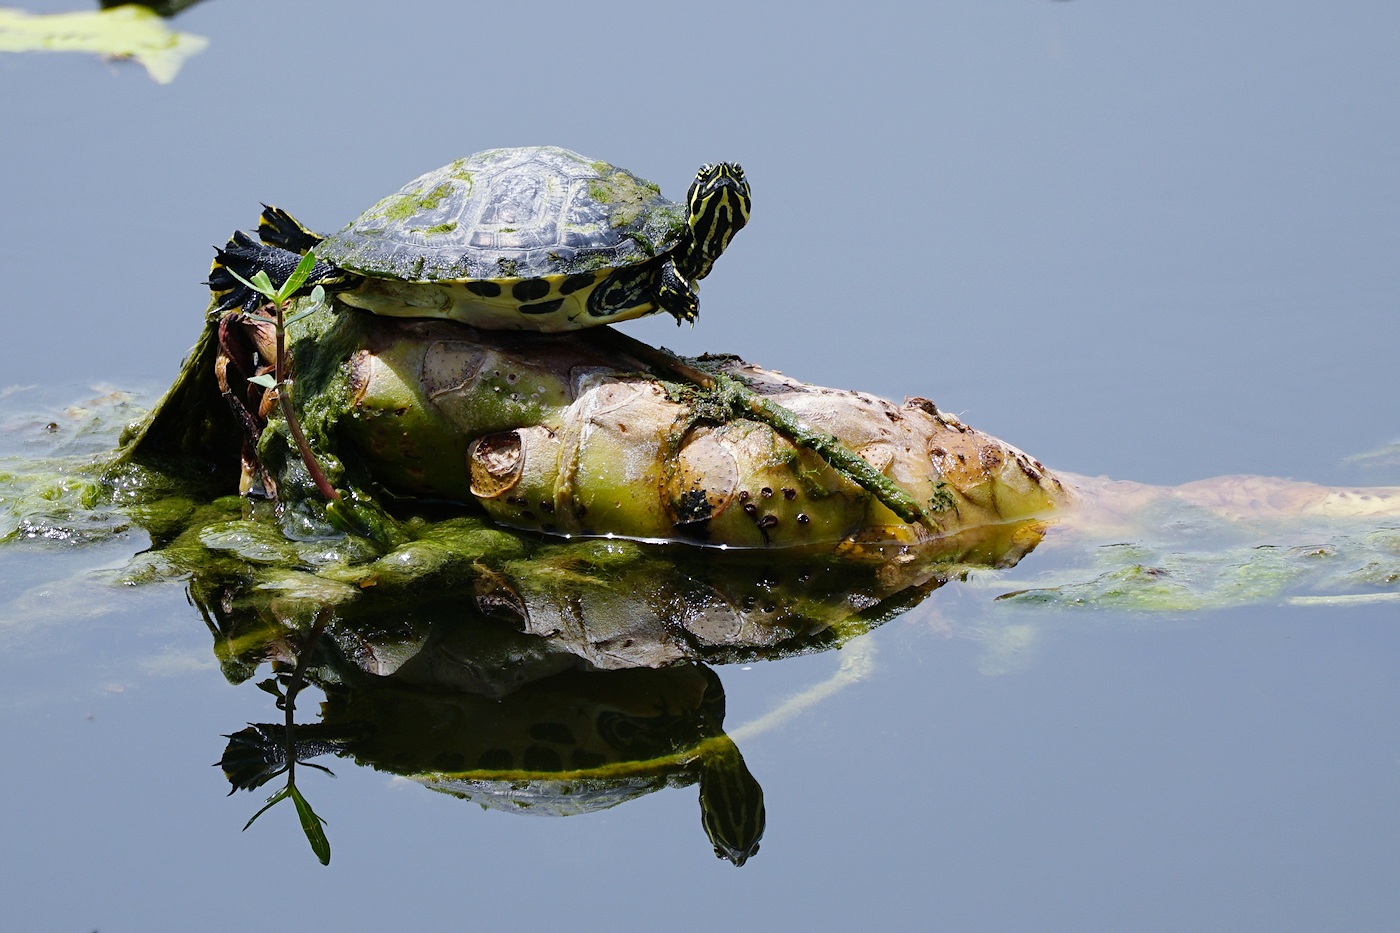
x: 676, y: 296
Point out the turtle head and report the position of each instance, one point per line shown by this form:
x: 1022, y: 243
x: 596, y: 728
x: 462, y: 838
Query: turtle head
x: 731, y: 802
x: 718, y: 202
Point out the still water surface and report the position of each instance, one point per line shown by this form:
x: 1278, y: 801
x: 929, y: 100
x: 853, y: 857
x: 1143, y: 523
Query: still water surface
x: 1153, y: 243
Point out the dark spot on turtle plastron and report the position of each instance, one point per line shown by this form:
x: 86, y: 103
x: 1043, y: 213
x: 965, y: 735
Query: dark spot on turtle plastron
x: 529, y: 290
x: 768, y: 521
x: 789, y: 493
x: 542, y: 307
x: 484, y: 289
x: 574, y: 282
x: 802, y: 518
x: 766, y: 492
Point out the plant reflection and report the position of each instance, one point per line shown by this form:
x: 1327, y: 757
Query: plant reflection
x: 563, y: 684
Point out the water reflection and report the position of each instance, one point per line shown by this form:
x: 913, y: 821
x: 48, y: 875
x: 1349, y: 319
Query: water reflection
x: 567, y: 684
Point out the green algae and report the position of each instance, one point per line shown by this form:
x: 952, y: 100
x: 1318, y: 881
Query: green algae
x: 402, y: 206
x: 1157, y: 576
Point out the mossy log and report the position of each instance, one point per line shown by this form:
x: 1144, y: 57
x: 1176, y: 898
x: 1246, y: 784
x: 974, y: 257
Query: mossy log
x: 575, y: 435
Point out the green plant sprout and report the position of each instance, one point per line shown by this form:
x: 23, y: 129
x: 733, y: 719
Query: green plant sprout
x: 279, y: 381
x: 286, y: 687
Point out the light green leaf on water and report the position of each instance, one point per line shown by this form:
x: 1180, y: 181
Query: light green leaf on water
x: 124, y: 32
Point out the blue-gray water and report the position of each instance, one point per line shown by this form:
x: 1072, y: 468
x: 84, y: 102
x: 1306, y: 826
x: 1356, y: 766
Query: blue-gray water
x: 1158, y: 242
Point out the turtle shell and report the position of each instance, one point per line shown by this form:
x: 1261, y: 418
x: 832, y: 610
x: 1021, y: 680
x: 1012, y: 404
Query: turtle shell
x: 509, y: 214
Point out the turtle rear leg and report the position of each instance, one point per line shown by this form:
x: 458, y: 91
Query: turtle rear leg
x: 246, y: 257
x: 278, y: 228
x: 677, y: 296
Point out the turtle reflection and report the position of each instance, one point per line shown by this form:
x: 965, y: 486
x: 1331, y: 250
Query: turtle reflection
x: 564, y: 683
x: 575, y: 742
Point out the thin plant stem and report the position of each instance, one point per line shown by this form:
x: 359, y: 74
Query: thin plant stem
x: 284, y: 401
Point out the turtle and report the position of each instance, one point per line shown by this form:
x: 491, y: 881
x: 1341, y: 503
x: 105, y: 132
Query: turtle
x: 535, y: 238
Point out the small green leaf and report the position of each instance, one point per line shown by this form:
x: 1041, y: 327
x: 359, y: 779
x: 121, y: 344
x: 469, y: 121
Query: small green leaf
x: 264, y: 284
x: 261, y: 318
x: 272, y: 801
x: 266, y: 380
x: 311, y: 826
x: 318, y: 295
x: 269, y: 292
x: 298, y: 316
x: 297, y: 278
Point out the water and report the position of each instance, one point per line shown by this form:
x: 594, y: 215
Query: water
x: 1153, y: 243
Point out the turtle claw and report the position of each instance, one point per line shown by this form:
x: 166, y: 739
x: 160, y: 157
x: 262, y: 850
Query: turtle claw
x: 676, y: 296
x: 278, y: 228
x: 240, y: 255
